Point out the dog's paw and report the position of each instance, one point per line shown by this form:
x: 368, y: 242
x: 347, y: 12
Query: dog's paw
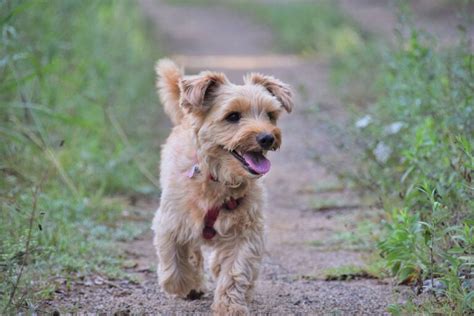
x: 222, y: 309
x: 177, y: 286
x: 194, y: 295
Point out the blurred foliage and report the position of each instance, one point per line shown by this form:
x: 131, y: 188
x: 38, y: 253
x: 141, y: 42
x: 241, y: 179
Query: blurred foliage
x: 307, y: 28
x: 302, y: 27
x: 72, y: 73
x: 414, y: 147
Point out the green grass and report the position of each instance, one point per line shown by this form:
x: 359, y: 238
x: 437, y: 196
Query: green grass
x: 351, y: 272
x: 79, y: 123
x: 361, y: 237
x: 372, y: 269
x: 358, y: 231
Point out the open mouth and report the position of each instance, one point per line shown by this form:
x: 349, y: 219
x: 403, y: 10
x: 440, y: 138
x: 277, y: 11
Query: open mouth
x: 254, y: 161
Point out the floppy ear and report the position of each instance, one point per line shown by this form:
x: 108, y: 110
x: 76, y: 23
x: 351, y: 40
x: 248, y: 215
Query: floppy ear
x: 197, y: 91
x: 280, y: 90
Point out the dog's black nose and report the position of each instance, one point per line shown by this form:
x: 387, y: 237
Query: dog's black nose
x: 265, y: 140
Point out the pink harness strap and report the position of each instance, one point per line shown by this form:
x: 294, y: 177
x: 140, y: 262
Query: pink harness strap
x: 208, y: 231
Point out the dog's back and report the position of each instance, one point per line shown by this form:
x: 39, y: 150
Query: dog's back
x: 168, y: 78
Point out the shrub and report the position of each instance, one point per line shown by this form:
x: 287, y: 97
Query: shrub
x: 415, y: 149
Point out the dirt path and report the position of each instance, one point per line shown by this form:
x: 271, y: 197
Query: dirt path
x: 302, y: 243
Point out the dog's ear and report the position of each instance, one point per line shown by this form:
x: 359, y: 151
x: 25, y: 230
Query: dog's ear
x: 280, y: 90
x: 197, y: 91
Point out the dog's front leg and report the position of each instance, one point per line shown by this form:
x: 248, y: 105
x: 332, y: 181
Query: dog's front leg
x: 236, y: 265
x: 180, y: 270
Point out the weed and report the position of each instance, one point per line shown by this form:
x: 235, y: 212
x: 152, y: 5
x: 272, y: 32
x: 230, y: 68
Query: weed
x: 355, y: 234
x: 414, y: 148
x: 349, y: 272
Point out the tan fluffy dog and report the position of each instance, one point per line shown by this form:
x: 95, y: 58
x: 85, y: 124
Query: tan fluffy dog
x: 210, y: 166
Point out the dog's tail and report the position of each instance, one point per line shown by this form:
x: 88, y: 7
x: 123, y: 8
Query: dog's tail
x: 167, y: 83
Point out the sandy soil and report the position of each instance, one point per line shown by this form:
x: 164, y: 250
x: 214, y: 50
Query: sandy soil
x: 297, y: 236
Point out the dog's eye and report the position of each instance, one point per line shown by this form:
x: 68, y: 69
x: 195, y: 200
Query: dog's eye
x: 271, y: 116
x: 233, y: 117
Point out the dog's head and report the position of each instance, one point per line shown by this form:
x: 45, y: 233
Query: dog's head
x: 235, y: 125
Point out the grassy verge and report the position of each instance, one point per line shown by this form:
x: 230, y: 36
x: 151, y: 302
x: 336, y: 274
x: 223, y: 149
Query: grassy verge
x: 79, y: 120
x: 414, y: 146
x: 412, y: 139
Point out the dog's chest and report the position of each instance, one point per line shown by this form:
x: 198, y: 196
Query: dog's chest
x: 212, y: 214
x: 218, y: 211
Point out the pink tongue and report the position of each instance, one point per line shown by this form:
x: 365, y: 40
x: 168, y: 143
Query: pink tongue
x: 257, y: 162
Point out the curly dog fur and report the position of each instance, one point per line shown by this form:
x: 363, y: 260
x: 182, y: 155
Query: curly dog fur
x: 210, y: 165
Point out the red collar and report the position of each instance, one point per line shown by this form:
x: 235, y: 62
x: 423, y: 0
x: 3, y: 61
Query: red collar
x: 211, y: 216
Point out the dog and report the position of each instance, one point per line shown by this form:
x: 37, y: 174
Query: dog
x: 210, y: 168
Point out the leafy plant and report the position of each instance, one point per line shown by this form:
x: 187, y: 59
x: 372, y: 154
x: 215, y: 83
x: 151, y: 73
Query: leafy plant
x: 414, y: 147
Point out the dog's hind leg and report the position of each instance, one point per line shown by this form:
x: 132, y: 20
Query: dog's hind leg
x: 237, y: 264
